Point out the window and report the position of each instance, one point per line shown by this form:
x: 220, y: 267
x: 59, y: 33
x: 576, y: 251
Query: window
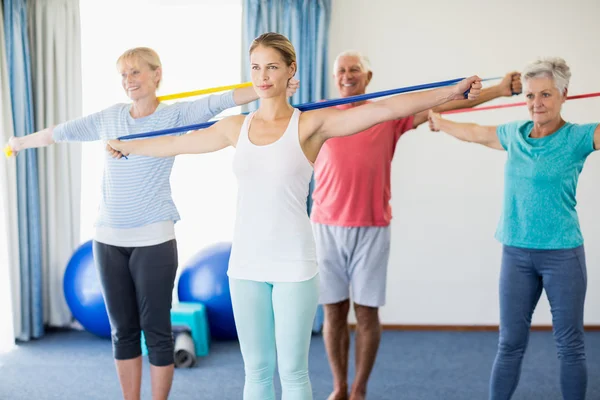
x: 199, y: 43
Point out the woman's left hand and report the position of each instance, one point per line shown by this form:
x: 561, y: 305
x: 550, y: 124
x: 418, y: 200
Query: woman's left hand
x: 472, y: 84
x: 292, y: 87
x: 114, y: 148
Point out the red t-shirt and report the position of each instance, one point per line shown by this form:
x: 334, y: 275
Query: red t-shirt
x: 352, y: 176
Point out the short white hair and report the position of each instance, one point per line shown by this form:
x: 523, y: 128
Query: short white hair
x: 363, y: 60
x: 552, y: 67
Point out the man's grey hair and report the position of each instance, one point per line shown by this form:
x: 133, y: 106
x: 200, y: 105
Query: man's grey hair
x: 364, y: 61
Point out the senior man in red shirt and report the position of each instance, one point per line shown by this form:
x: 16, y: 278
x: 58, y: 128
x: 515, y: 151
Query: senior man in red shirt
x: 351, y: 215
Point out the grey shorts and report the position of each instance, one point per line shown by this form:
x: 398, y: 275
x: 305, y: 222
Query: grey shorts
x: 352, y: 263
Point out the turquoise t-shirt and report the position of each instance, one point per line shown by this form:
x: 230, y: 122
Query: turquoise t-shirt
x: 540, y: 185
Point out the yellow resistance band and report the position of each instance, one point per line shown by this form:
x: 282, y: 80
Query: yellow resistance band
x: 203, y: 91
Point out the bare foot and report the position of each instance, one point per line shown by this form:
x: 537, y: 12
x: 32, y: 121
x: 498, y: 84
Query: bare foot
x: 338, y: 395
x: 357, y: 396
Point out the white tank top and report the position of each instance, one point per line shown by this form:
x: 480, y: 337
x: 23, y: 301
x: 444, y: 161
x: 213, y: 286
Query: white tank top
x: 273, y: 239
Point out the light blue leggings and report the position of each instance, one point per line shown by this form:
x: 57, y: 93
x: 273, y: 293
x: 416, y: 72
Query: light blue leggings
x: 274, y: 323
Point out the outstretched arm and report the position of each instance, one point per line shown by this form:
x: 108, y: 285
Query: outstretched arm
x: 82, y: 129
x: 39, y: 139
x: 510, y: 84
x: 473, y: 133
x: 329, y: 123
x: 214, y: 138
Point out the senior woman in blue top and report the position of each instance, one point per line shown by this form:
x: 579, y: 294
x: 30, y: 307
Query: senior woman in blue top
x: 539, y: 227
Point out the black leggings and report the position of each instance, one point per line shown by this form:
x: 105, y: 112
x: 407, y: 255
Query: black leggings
x: 137, y: 284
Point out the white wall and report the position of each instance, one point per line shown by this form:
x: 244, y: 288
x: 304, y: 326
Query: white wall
x: 447, y: 195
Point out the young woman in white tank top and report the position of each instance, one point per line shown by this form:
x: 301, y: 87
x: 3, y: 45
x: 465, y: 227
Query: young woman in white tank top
x: 273, y: 268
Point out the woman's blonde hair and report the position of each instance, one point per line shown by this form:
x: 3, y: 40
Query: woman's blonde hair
x: 278, y: 42
x: 145, y: 54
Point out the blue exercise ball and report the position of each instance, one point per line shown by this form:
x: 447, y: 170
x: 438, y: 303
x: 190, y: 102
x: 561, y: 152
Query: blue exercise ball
x: 83, y: 292
x: 204, y: 280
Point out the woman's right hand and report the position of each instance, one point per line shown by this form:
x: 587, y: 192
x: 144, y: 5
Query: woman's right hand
x: 14, y: 145
x: 434, y: 121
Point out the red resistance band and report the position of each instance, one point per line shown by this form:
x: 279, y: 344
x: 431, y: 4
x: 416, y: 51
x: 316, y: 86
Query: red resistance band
x: 579, y: 96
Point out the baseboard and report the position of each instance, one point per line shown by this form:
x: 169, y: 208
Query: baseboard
x: 466, y: 328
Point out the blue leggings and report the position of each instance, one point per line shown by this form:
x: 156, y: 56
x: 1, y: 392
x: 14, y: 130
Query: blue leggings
x: 524, y: 273
x: 274, y: 323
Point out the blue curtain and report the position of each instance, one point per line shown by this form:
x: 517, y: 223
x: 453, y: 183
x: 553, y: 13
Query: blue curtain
x: 306, y: 24
x: 30, y: 242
